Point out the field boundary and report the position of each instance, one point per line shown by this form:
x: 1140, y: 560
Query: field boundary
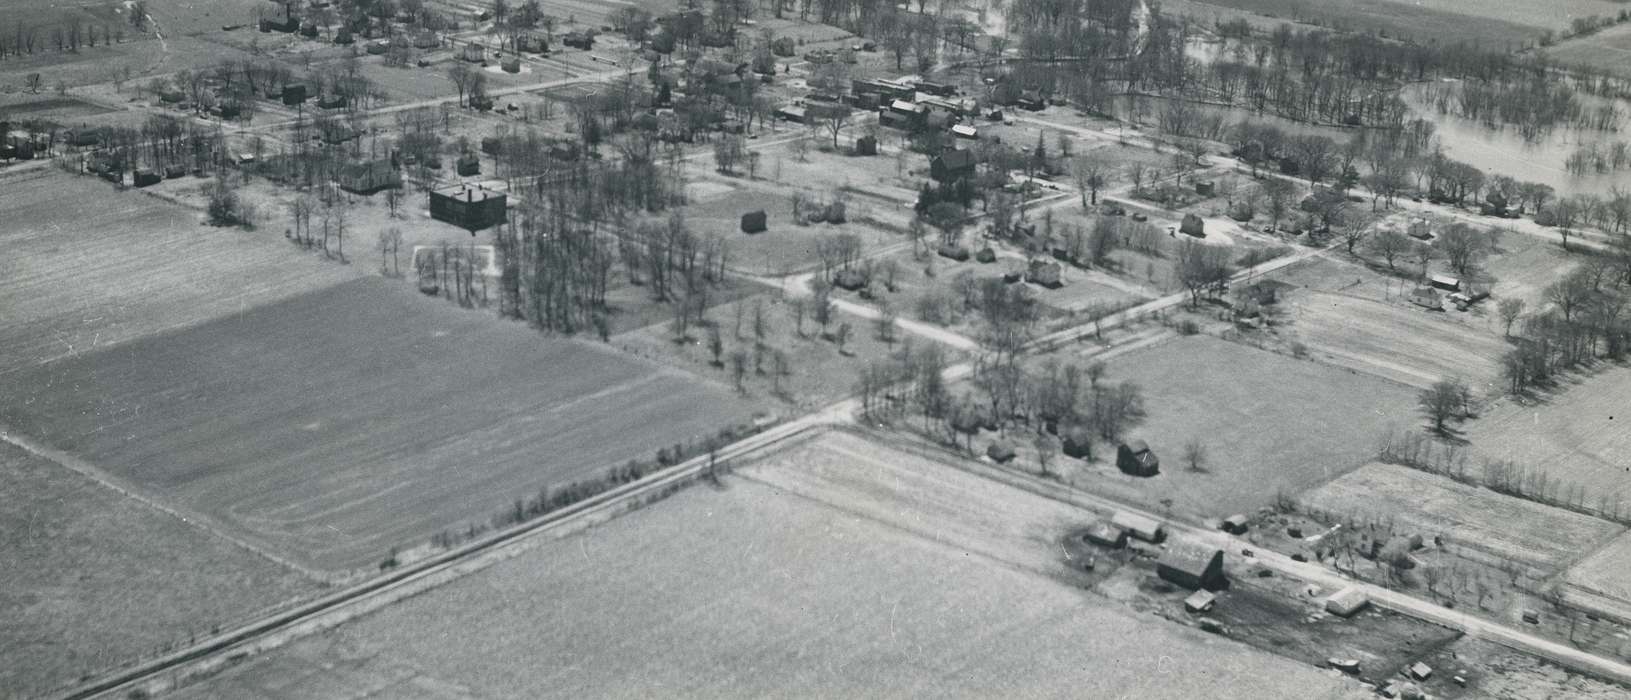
x: 415, y: 578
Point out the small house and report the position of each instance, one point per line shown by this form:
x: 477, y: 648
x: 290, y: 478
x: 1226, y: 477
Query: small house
x: 1193, y: 566
x: 1420, y: 671
x: 579, y: 40
x: 791, y: 113
x: 1077, y: 442
x: 1031, y: 100
x: 1346, y: 602
x: 1137, y: 459
x: 1420, y: 230
x: 1147, y: 529
x: 145, y: 177
x: 1205, y: 188
x: 473, y: 52
x: 1445, y: 282
x: 293, y: 94
x: 369, y: 177
x: 905, y: 107
x: 1236, y: 524
x: 1427, y: 298
x: 964, y: 131
x: 468, y: 164
x: 286, y: 25
x: 1000, y: 451
x: 896, y: 120
x: 754, y: 221
x: 953, y: 252
x: 377, y: 48
x: 1104, y: 534
x: 308, y: 29
x: 1200, y: 601
x: 952, y: 165
x: 1045, y: 273
x: 511, y: 64
x: 471, y: 208
x: 1192, y: 225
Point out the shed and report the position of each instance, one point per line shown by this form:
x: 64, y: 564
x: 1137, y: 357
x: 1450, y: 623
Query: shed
x: 791, y: 113
x: 953, y: 252
x: 1346, y: 602
x: 293, y: 94
x: 1420, y: 230
x: 1236, y: 524
x: 1200, y: 601
x: 1445, y: 282
x: 1105, y: 534
x: 1137, y: 459
x: 1205, y: 188
x: 866, y: 146
x: 964, y: 131
x: 473, y: 52
x: 1147, y: 529
x: 753, y: 221
x: 1078, y: 442
x: 468, y: 164
x: 1193, y: 566
x: 1044, y: 273
x: 1420, y: 671
x: 145, y: 177
x: 1193, y: 225
x: 511, y: 64
x: 952, y: 164
x: 1000, y: 451
x: 895, y: 120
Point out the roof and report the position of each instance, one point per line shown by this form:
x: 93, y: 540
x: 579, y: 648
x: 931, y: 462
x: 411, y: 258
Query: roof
x: 956, y: 158
x: 1444, y: 279
x: 903, y: 106
x: 468, y: 193
x: 1134, y: 522
x: 1200, y: 600
x: 1346, y: 601
x: 1104, y: 531
x: 1237, y: 519
x: 1190, y: 558
x: 1137, y: 446
x: 965, y: 130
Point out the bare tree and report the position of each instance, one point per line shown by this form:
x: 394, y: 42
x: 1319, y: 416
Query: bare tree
x: 1511, y: 309
x: 1441, y: 402
x: 1091, y: 174
x: 1195, y: 456
x: 1389, y: 244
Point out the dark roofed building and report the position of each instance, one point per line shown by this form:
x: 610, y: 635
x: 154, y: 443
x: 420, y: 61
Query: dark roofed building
x: 369, y: 177
x: 753, y: 221
x: 472, y: 208
x: 952, y: 165
x: 1136, y: 458
x: 1193, y: 566
x: 1105, y: 534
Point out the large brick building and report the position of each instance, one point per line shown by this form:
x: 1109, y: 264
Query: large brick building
x: 468, y: 206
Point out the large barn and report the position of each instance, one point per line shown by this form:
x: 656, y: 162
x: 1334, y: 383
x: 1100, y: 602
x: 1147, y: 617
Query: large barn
x: 1192, y: 566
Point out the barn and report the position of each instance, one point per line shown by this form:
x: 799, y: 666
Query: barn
x: 1136, y: 458
x: 1147, y: 529
x: 1192, y: 566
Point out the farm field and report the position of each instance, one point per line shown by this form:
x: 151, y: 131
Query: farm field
x: 1579, y: 434
x: 77, y: 278
x: 1511, y: 528
x: 1280, y: 424
x: 1603, y: 573
x: 763, y: 587
x: 90, y: 577
x: 1395, y: 340
x: 338, y: 424
x: 784, y: 246
x: 1607, y: 50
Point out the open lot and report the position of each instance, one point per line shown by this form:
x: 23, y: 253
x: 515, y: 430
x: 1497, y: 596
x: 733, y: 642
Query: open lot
x: 1607, y: 50
x: 1279, y: 424
x: 1580, y: 434
x: 784, y: 246
x: 765, y: 588
x: 335, y: 425
x: 90, y: 577
x: 1430, y: 505
x: 75, y: 278
x: 1397, y: 340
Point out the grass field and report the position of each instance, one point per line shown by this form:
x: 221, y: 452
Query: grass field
x: 1396, y: 340
x: 1420, y: 503
x: 784, y: 246
x: 840, y: 569
x: 1497, y: 24
x: 1603, y: 573
x: 1607, y: 50
x: 1267, y: 420
x: 76, y: 277
x: 338, y: 424
x: 90, y: 577
x: 1581, y: 434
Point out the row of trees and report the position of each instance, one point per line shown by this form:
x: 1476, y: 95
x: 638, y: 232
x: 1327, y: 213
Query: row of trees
x: 1588, y: 317
x: 71, y: 33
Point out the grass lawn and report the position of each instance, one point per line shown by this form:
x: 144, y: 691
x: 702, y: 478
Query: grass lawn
x: 1264, y: 419
x: 335, y: 425
x: 837, y: 569
x: 1398, y: 340
x: 90, y: 578
x: 1603, y: 573
x: 1607, y: 50
x: 1512, y: 528
x: 784, y: 247
x: 76, y: 278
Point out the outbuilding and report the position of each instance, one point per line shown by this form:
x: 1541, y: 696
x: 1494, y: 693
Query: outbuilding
x: 1346, y: 602
x: 1078, y: 442
x: 964, y: 131
x: 1044, y: 273
x: 952, y: 164
x: 1136, y: 458
x: 1427, y: 298
x: 1105, y: 534
x: 369, y: 177
x: 1235, y: 524
x: 1200, y: 601
x: 1445, y: 282
x: 1192, y: 225
x: 1193, y: 566
x: 754, y: 221
x: 145, y: 177
x: 1147, y: 529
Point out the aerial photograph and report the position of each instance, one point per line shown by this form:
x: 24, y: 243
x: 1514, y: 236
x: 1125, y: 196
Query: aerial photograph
x: 1122, y: 349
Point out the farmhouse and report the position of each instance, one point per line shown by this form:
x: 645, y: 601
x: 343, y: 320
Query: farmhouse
x: 369, y: 177
x: 1426, y: 297
x: 1192, y: 566
x: 952, y: 165
x: 472, y: 208
x: 1104, y: 534
x: 1136, y: 458
x: 1143, y: 528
